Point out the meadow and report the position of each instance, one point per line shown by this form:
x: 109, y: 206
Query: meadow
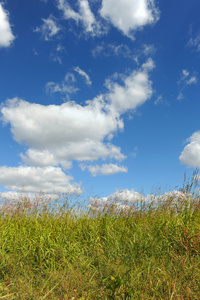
x: 151, y: 251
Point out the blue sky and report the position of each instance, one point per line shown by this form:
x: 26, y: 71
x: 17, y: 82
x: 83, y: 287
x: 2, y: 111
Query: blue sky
x: 98, y: 96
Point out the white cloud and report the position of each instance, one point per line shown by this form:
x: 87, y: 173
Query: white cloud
x: 65, y: 87
x: 123, y: 50
x: 84, y: 16
x: 135, y: 151
x: 160, y: 100
x: 149, y: 50
x: 86, y: 150
x: 12, y: 198
x: 84, y: 74
x: 53, y: 121
x: 125, y: 196
x: 44, y: 158
x: 123, y: 200
x: 105, y: 169
x: 34, y: 180
x: 61, y: 133
x: 185, y: 79
x: 68, y: 12
x: 129, y: 15
x: 194, y: 40
x: 6, y: 35
x: 190, y: 155
x: 110, y: 169
x: 56, y: 54
x: 87, y: 16
x: 135, y: 91
x: 57, y: 134
x: 49, y: 28
x: 192, y: 80
x: 180, y: 96
x: 35, y: 52
x: 112, y: 49
x: 185, y: 73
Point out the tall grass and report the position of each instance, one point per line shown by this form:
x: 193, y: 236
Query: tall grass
x: 149, y: 252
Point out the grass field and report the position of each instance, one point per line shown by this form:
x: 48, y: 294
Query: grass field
x: 152, y: 252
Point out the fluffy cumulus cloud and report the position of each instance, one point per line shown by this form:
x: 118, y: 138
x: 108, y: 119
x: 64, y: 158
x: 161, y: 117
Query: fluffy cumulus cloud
x: 105, y: 169
x: 129, y: 15
x: 49, y: 28
x: 6, y: 35
x: 190, y: 155
x: 126, y: 15
x: 136, y: 89
x: 57, y: 134
x: 35, y: 179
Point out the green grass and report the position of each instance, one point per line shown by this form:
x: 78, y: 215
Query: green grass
x: 149, y: 253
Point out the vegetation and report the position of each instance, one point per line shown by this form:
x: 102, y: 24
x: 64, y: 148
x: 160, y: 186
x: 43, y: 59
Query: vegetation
x: 151, y: 251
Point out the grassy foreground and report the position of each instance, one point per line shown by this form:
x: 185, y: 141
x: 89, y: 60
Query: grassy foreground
x: 149, y: 253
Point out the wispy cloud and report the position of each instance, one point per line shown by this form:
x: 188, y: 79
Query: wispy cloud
x: 135, y: 151
x: 84, y: 17
x: 49, y: 28
x: 185, y: 80
x: 127, y: 16
x: 57, y: 53
x: 84, y: 74
x: 123, y: 50
x: 66, y: 87
x: 194, y: 39
x: 112, y: 50
x: 161, y: 100
x: 6, y: 35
